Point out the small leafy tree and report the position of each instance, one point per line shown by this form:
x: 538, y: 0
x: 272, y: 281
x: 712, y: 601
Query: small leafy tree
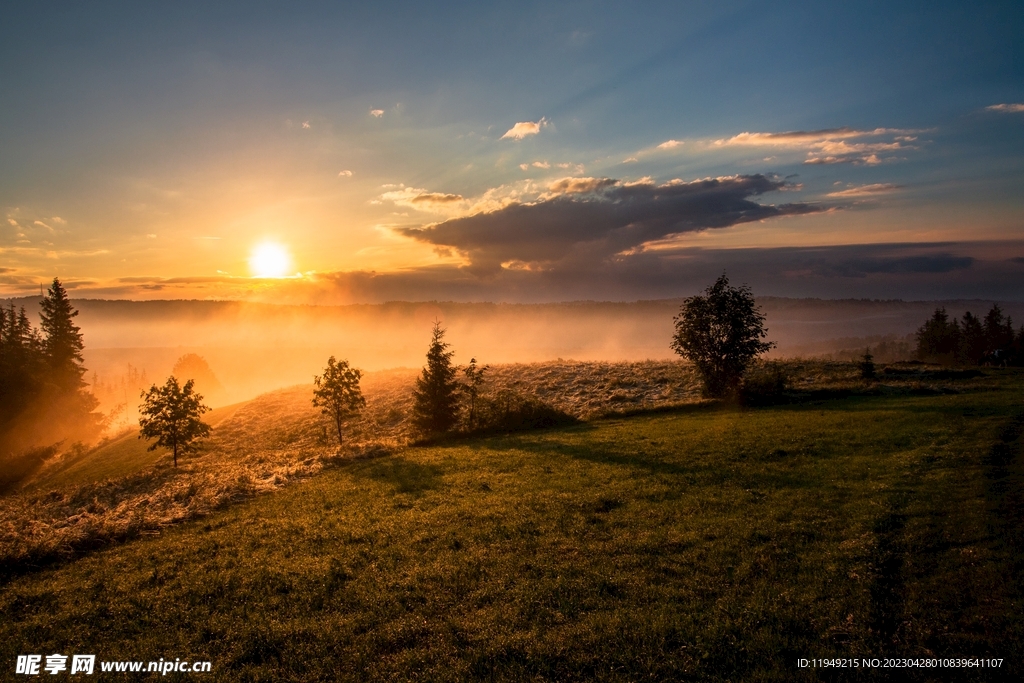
x: 170, y: 414
x: 436, y: 409
x: 337, y: 393
x: 720, y: 332
x: 474, y: 380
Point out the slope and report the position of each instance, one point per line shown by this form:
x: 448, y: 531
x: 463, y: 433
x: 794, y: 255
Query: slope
x: 706, y: 543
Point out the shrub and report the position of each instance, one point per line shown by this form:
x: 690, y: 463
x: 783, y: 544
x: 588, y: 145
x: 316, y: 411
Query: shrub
x: 511, y: 411
x: 764, y: 384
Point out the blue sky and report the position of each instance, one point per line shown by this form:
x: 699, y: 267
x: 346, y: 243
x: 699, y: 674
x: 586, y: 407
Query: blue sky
x: 512, y: 151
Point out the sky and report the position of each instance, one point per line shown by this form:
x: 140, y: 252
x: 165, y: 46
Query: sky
x: 334, y: 153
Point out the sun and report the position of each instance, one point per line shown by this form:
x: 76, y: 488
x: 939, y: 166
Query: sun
x: 269, y: 260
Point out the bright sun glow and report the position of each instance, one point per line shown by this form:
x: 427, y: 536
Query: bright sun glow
x: 269, y: 260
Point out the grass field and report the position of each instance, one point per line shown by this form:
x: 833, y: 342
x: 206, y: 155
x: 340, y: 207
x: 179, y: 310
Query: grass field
x: 705, y: 543
x: 121, y: 456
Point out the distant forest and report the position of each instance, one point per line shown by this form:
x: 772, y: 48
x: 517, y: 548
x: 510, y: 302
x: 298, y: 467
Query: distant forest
x: 971, y: 340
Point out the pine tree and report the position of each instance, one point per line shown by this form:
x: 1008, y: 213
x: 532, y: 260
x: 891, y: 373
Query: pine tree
x: 938, y: 339
x: 62, y: 339
x: 22, y: 366
x: 437, y: 392
x: 998, y: 336
x: 867, y: 365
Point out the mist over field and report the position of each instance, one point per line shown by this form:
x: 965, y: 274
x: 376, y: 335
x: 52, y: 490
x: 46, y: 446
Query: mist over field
x: 252, y: 348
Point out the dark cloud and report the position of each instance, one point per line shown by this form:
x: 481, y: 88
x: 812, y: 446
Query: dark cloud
x: 864, y: 266
x: 882, y: 271
x: 912, y: 271
x: 18, y: 280
x: 591, y: 219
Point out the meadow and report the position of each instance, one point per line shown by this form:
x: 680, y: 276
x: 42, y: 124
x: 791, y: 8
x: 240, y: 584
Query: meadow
x: 662, y: 538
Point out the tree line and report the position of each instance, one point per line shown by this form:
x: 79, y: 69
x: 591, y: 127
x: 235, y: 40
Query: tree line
x: 721, y: 331
x: 447, y: 398
x: 971, y: 340
x: 42, y: 391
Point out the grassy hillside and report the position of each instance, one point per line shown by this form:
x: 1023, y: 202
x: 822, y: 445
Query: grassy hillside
x: 121, y: 456
x: 705, y: 543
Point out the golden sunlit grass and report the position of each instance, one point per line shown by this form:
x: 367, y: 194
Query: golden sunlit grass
x: 120, y: 489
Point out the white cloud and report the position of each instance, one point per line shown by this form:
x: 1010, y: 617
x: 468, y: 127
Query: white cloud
x: 525, y: 167
x: 801, y: 138
x: 834, y: 145
x: 541, y: 164
x: 305, y: 124
x: 670, y: 144
x: 866, y: 190
x: 424, y: 200
x: 1006, y: 108
x: 58, y: 219
x: 579, y: 185
x: 524, y: 128
x: 345, y: 174
x: 377, y: 113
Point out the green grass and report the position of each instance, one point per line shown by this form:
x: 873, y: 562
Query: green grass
x: 708, y: 544
x: 122, y: 456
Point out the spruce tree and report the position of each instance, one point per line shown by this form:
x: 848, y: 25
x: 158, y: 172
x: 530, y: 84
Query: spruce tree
x: 22, y: 366
x: 437, y: 392
x: 867, y: 365
x: 62, y: 339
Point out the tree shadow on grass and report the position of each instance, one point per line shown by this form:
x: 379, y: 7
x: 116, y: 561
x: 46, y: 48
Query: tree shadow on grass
x: 592, y: 451
x: 404, y: 475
